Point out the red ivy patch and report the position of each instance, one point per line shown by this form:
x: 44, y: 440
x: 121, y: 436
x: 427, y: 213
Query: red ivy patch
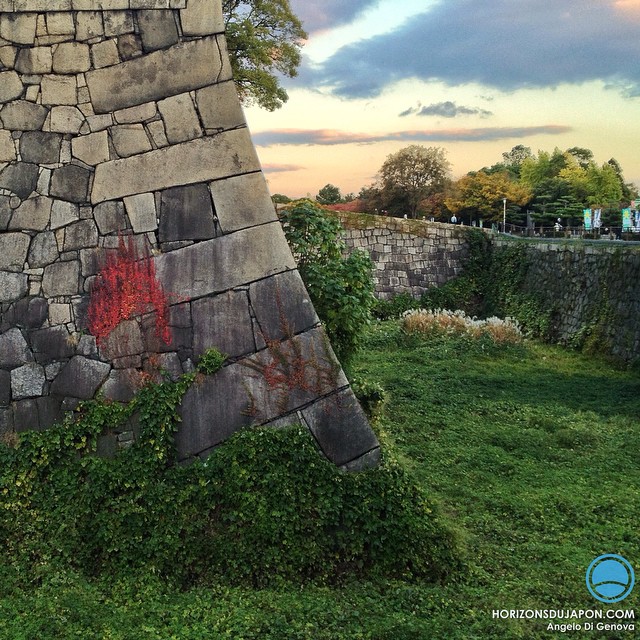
x: 127, y: 286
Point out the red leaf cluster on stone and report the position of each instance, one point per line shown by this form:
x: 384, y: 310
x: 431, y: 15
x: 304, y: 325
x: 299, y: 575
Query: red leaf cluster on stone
x: 127, y: 286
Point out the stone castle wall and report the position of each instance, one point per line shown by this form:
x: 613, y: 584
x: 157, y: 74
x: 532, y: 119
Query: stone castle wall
x: 409, y: 256
x: 119, y: 120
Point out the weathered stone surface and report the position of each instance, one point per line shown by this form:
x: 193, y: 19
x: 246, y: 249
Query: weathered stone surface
x: 137, y: 114
x: 8, y: 55
x: 368, y: 460
x: 141, y: 210
x: 71, y: 57
x: 59, y: 17
x: 80, y: 378
x: 7, y: 148
x: 29, y: 313
x: 105, y: 54
x: 20, y: 178
x: 282, y: 306
x: 66, y: 119
x: 80, y: 235
x: 130, y: 139
x: 340, y: 427
x: 61, y: 279
x: 186, y: 213
x: 34, y: 60
x: 219, y: 106
x: 63, y: 213
x: 201, y: 18
x: 70, y: 183
x: 217, y: 265
x: 201, y: 160
x: 43, y: 250
x: 18, y: 27
x: 13, y: 251
x: 180, y: 118
x: 40, y: 147
x: 124, y: 340
x: 129, y: 46
x: 14, y: 350
x: 10, y: 86
x: 91, y: 149
x: 52, y: 344
x: 158, y: 29
x: 122, y: 384
x: 5, y: 393
x: 33, y: 214
x: 5, y: 212
x: 242, y: 202
x: 27, y: 381
x: 21, y: 115
x: 110, y: 217
x: 59, y: 90
x: 89, y: 25
x: 223, y: 322
x: 117, y: 22
x: 158, y: 75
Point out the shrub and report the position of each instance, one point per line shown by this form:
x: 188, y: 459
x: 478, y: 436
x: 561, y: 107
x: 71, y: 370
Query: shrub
x: 265, y: 506
x: 340, y: 287
x: 456, y: 323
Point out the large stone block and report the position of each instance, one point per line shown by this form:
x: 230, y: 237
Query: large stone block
x: 33, y: 214
x: 22, y: 115
x: 13, y: 251
x: 243, y: 201
x: 29, y: 313
x: 219, y: 107
x: 27, y: 381
x: 130, y: 139
x: 158, y: 75
x: 110, y: 217
x: 186, y: 213
x: 7, y: 147
x: 71, y: 57
x: 201, y: 18
x: 141, y: 210
x: 14, y: 350
x: 58, y: 90
x: 70, y: 183
x: 227, y: 262
x: 158, y: 29
x: 180, y: 118
x: 340, y: 426
x: 52, y: 344
x: 61, y: 279
x: 124, y: 340
x: 66, y: 119
x: 80, y: 378
x: 80, y: 235
x: 91, y: 149
x: 201, y: 160
x: 11, y: 87
x: 20, y: 178
x: 223, y: 322
x: 18, y: 27
x: 40, y: 147
x: 34, y: 60
x: 282, y: 306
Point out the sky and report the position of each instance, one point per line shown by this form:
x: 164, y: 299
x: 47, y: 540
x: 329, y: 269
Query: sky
x: 475, y: 77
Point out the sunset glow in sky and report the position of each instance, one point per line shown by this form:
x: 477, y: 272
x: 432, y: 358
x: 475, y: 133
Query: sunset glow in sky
x: 475, y: 77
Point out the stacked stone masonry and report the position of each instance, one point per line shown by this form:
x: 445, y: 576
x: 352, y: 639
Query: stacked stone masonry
x: 408, y: 256
x: 120, y: 119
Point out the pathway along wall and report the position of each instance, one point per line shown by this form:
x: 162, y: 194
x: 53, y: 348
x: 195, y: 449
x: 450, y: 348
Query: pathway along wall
x: 124, y: 156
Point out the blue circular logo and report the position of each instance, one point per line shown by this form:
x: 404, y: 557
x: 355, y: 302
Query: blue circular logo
x: 610, y: 578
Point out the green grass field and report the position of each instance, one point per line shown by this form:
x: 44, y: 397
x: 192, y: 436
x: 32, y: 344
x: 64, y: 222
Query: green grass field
x: 533, y: 454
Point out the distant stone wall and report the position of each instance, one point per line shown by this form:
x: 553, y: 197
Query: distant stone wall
x: 592, y: 292
x: 409, y: 256
x: 122, y: 139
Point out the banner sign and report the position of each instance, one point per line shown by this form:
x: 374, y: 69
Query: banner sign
x: 597, y: 218
x: 587, y: 219
x: 626, y: 219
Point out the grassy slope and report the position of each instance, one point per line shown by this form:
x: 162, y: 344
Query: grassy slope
x: 533, y: 453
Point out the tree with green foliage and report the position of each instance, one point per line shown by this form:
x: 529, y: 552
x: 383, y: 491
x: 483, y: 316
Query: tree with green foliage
x: 329, y: 194
x: 264, y: 38
x: 340, y: 287
x: 482, y: 193
x: 411, y: 175
x: 280, y: 198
